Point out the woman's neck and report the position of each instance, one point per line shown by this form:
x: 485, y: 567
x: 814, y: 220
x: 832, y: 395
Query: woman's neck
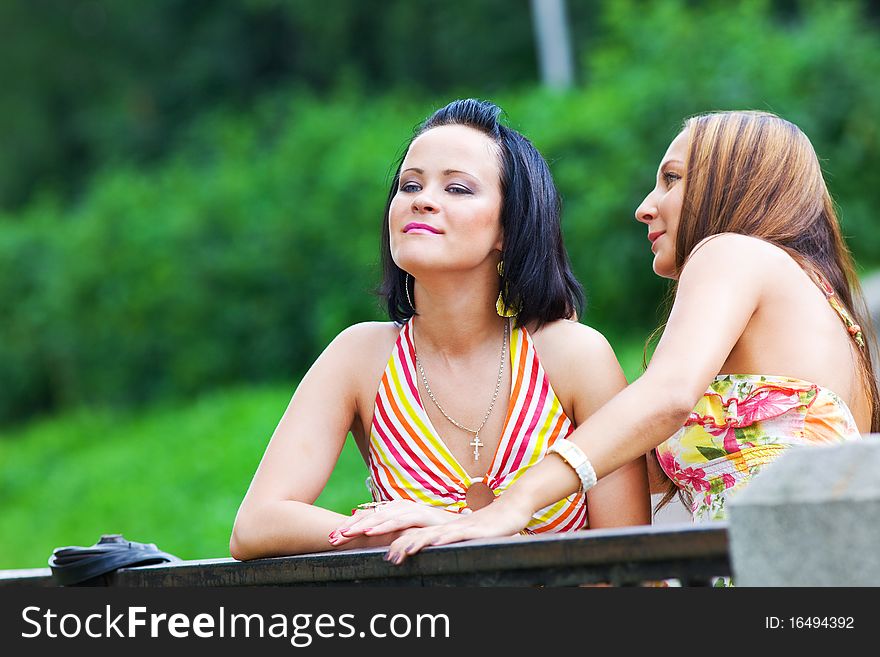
x: 456, y: 314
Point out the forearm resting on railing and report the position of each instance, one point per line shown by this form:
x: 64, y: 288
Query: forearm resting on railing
x: 287, y: 527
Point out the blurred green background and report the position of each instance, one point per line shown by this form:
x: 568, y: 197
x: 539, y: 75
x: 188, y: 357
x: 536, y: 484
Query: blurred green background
x: 174, y: 174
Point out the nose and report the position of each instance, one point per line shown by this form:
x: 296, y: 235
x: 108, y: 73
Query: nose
x: 424, y: 204
x: 647, y: 210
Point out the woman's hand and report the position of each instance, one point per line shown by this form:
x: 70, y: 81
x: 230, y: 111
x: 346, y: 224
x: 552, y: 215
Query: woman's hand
x: 389, y: 517
x: 497, y: 519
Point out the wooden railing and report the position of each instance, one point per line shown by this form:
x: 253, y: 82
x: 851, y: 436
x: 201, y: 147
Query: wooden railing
x: 691, y: 554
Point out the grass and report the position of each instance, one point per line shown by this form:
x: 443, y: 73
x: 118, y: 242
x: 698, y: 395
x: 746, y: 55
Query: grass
x: 173, y: 475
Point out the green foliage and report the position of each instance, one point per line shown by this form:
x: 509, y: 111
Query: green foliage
x: 89, y: 82
x: 658, y: 63
x: 174, y: 477
x: 237, y: 261
x: 240, y: 257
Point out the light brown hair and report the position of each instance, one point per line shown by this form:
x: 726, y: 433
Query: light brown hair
x: 756, y: 174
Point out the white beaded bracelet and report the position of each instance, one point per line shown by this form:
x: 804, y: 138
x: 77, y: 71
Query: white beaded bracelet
x: 575, y: 457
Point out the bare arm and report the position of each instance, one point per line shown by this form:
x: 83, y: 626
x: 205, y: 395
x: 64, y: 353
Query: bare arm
x: 585, y: 364
x: 719, y: 291
x: 276, y: 516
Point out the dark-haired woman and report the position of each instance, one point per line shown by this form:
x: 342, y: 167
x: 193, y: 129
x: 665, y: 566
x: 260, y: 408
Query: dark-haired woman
x: 765, y: 348
x: 451, y: 401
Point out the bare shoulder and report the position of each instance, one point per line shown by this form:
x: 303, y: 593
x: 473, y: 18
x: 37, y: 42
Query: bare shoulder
x: 365, y: 343
x: 731, y: 249
x: 351, y: 366
x: 580, y: 365
x: 564, y: 339
x: 367, y: 333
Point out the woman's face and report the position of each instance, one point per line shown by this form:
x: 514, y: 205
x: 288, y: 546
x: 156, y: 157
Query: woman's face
x: 661, y: 209
x: 446, y: 215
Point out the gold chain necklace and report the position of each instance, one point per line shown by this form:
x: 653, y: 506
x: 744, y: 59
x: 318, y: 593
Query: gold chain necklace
x: 475, y: 443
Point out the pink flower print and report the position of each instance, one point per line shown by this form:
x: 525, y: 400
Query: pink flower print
x: 730, y: 444
x: 729, y: 481
x: 764, y: 403
x: 668, y: 463
x: 694, y: 477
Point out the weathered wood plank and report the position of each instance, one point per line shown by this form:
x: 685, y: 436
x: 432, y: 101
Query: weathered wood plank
x: 620, y: 556
x: 29, y: 577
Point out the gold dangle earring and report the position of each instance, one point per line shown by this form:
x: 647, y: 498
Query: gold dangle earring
x: 408, y: 298
x: 501, y: 307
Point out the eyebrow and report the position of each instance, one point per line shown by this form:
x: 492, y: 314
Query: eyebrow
x: 447, y: 172
x: 667, y: 162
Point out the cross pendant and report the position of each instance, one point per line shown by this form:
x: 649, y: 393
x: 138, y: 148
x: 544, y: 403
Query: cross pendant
x: 476, y: 444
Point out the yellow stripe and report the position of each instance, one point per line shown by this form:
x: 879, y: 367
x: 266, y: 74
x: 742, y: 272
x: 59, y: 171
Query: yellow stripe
x: 540, y: 445
x: 415, y: 488
x: 404, y: 399
x: 554, y: 511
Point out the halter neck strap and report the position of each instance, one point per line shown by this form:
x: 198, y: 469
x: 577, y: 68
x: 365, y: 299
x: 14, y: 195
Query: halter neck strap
x: 854, y: 329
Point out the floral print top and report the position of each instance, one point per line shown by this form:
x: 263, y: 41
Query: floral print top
x: 744, y: 421
x: 740, y: 424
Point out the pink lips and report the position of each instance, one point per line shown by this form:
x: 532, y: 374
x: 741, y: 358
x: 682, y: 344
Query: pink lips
x: 415, y: 226
x: 655, y: 235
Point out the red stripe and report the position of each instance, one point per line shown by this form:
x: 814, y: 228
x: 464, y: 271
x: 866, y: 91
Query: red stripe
x: 520, y: 370
x: 375, y: 464
x: 568, y: 519
x: 440, y: 485
x: 515, y: 434
x: 401, y: 492
x: 529, y: 439
x: 407, y: 366
x: 578, y: 521
x: 405, y: 422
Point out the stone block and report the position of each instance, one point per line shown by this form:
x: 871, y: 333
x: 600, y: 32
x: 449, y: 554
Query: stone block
x: 811, y: 518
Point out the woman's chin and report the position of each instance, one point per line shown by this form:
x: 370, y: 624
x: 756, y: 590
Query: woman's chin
x: 663, y: 268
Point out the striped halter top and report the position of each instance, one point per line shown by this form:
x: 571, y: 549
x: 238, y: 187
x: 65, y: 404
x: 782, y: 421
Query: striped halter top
x: 409, y: 460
